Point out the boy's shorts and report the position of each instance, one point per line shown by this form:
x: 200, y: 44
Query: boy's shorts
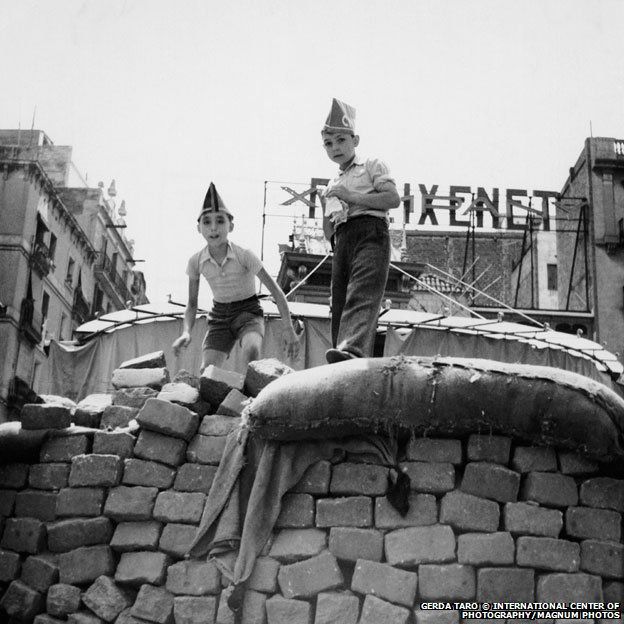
x: 228, y: 322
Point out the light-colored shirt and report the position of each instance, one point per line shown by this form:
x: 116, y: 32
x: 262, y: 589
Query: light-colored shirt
x: 232, y: 280
x: 364, y: 176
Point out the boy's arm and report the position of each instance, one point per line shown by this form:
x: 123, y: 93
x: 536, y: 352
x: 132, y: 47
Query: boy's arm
x: 386, y: 199
x: 189, y: 316
x: 290, y: 337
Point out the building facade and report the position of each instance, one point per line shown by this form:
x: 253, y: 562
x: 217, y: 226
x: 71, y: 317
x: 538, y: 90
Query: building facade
x: 63, y: 256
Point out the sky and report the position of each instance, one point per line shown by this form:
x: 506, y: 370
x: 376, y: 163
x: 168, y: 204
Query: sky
x: 167, y: 96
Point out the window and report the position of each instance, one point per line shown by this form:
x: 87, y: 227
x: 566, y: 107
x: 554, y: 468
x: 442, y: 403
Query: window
x: 45, y: 304
x: 52, y: 248
x: 551, y: 276
x: 98, y: 296
x: 69, y: 278
x: 62, y: 327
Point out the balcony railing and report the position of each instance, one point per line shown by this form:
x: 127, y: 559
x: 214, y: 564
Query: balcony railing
x: 40, y: 259
x: 30, y: 322
x: 105, y: 268
x: 80, y: 308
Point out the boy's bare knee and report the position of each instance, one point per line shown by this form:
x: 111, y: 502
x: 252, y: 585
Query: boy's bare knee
x: 251, y: 345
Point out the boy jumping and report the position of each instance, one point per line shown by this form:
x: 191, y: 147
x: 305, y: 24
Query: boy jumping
x: 231, y: 271
x: 359, y: 225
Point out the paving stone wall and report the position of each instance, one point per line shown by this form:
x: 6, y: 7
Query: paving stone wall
x: 96, y: 530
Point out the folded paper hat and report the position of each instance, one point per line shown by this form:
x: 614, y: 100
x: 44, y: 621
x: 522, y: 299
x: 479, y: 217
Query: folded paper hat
x: 341, y: 118
x: 213, y: 202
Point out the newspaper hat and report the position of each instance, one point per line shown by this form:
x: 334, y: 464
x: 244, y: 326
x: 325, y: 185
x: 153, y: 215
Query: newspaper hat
x: 213, y: 202
x: 341, y: 118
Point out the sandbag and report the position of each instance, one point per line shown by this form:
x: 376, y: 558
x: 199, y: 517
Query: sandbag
x: 443, y: 396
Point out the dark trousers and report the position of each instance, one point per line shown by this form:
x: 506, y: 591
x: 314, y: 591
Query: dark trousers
x: 359, y: 273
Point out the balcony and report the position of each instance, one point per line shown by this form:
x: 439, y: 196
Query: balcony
x: 30, y: 322
x: 112, y: 283
x: 80, y: 308
x: 40, y: 259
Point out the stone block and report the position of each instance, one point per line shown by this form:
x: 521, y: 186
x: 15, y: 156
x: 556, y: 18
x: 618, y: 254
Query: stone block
x: 486, y: 549
x: 184, y: 507
x: 88, y: 412
x: 117, y: 417
x: 176, y: 539
x: 297, y: 512
x: 351, y: 544
x: 315, y: 479
x: 64, y: 448
x: 194, y: 478
x: 489, y: 448
x: 79, y: 502
x: 45, y: 416
x: 154, y: 604
x: 66, y: 535
x: 224, y: 614
x: 63, y: 599
x: 353, y: 511
x: 136, y: 568
x: 44, y: 618
x: 436, y: 616
x: 260, y: 373
x: 133, y: 397
x: 120, y: 443
x: 354, y: 479
x: 466, y: 512
x: 21, y: 602
x: 295, y: 544
x: 95, y: 471
x: 416, y: 545
x: 168, y: 419
x: 530, y: 519
x: 194, y: 609
x: 284, y: 611
x: 491, y: 481
x: 534, y: 459
x: 24, y: 535
x: 215, y: 384
x: 10, y: 566
x: 13, y: 476
x: 148, y: 474
x: 264, y: 575
x: 560, y: 587
x: 336, y: 608
x: 106, y: 599
x: 254, y: 608
x: 430, y: 477
x: 604, y: 492
x: 206, y: 449
x: 154, y: 446
x: 550, y: 489
x: 605, y: 559
x: 85, y: 564
x: 593, y: 523
x: 38, y: 504
x: 131, y: 536
x: 453, y: 581
x: 52, y: 476
x: 375, y: 611
x: 547, y: 553
x: 305, y: 579
x: 218, y: 425
x: 86, y: 617
x: 179, y: 392
x: 423, y: 511
x: 138, y: 377
x: 505, y: 585
x: 434, y: 450
x: 39, y: 572
x: 194, y: 578
x: 7, y: 502
x: 155, y: 359
x: 233, y: 404
x: 384, y: 581
x: 575, y: 464
x: 613, y: 591
x: 125, y: 504
x: 183, y: 376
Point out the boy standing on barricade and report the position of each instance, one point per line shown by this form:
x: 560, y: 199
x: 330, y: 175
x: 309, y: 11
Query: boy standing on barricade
x: 231, y: 273
x: 356, y: 205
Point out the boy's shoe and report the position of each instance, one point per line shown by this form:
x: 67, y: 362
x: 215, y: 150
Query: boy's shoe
x: 338, y: 355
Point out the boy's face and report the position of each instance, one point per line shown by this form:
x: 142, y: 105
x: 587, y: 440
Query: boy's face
x: 215, y: 227
x: 340, y: 146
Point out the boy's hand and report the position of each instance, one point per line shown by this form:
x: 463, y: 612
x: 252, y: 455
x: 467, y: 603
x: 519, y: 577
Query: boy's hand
x: 343, y: 193
x: 290, y: 342
x: 181, y: 343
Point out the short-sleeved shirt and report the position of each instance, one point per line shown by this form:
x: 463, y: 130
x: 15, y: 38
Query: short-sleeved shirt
x: 232, y: 280
x: 364, y: 176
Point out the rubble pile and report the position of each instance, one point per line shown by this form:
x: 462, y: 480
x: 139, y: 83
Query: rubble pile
x: 97, y: 529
